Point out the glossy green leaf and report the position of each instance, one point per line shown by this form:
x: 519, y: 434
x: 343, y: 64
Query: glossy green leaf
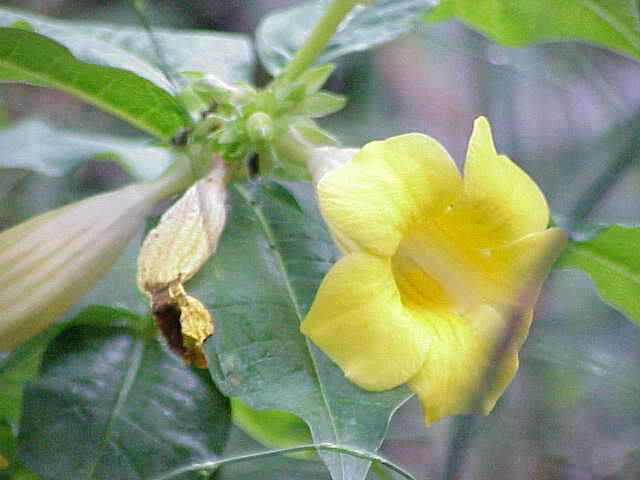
x: 226, y: 56
x: 22, y: 364
x: 36, y: 146
x: 611, y: 259
x: 10, y: 467
x: 30, y: 57
x: 113, y: 403
x: 280, y: 34
x: 259, y: 286
x: 614, y: 24
x: 7, y: 449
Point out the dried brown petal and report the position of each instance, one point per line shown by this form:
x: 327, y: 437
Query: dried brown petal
x: 184, y: 322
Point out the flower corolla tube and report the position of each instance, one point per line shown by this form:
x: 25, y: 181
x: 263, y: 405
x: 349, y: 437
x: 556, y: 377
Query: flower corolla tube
x: 435, y: 266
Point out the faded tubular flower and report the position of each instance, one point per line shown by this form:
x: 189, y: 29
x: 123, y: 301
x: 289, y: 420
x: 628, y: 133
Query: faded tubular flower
x: 434, y: 266
x: 49, y: 261
x: 173, y: 252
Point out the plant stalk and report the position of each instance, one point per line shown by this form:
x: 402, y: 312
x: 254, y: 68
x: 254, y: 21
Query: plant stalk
x: 176, y: 178
x: 212, y: 465
x: 592, y: 196
x: 321, y: 34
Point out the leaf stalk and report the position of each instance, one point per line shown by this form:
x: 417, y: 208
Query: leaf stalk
x: 330, y: 447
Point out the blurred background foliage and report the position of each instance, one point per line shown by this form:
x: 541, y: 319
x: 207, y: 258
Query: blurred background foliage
x: 563, y: 111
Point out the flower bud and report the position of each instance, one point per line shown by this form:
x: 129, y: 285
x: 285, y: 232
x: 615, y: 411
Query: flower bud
x: 49, y: 261
x: 260, y: 127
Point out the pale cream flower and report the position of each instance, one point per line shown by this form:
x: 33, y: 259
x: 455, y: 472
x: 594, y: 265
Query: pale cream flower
x: 49, y: 261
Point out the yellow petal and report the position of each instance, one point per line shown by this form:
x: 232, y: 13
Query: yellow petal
x: 358, y: 320
x: 515, y: 272
x: 500, y: 202
x: 455, y: 366
x: 384, y: 189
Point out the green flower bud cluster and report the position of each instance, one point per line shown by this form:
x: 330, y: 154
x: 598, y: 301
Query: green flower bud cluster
x: 238, y: 121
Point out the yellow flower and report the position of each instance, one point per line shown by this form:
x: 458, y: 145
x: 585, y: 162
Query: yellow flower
x: 434, y: 265
x: 51, y: 260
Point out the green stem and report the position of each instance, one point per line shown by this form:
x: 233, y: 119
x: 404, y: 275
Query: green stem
x: 177, y: 177
x: 462, y: 433
x: 321, y: 34
x: 626, y: 157
x: 380, y: 472
x: 330, y: 447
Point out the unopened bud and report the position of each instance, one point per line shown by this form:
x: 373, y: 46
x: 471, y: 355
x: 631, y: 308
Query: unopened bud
x: 49, y: 261
x: 260, y: 127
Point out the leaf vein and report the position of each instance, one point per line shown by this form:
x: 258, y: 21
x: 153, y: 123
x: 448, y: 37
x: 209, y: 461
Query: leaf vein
x: 136, y: 355
x: 296, y: 305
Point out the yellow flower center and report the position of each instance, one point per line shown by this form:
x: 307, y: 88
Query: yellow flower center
x: 434, y: 268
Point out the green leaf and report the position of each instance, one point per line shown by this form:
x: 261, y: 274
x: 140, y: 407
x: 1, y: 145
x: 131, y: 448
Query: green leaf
x: 22, y: 363
x: 10, y: 467
x: 7, y: 447
x: 614, y: 24
x: 611, y: 259
x: 274, y: 468
x: 314, y: 78
x: 226, y: 56
x: 259, y: 285
x: 8, y: 180
x: 272, y: 428
x: 320, y: 104
x: 36, y: 146
x: 6, y: 444
x: 15, y: 369
x: 30, y: 57
x: 112, y: 403
x: 281, y: 33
